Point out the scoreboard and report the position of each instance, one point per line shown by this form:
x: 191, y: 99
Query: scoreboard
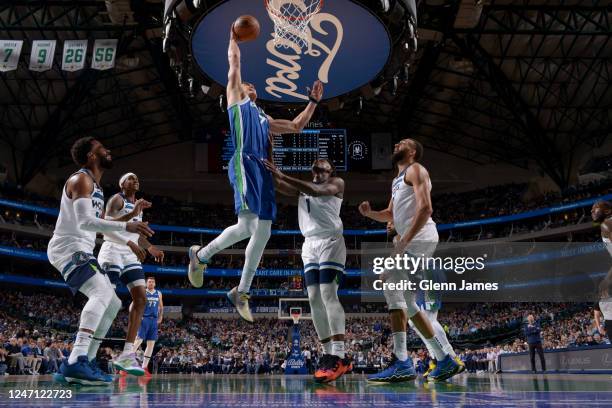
x: 297, y: 152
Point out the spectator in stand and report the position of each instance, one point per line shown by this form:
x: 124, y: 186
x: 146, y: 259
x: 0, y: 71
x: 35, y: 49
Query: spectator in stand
x: 534, y: 341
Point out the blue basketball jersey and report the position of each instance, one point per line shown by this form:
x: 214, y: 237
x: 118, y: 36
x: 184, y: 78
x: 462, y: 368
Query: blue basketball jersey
x: 252, y: 182
x: 249, y: 129
x: 152, y: 306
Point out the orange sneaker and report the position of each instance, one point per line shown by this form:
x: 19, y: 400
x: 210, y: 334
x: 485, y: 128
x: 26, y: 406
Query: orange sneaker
x: 123, y: 373
x: 331, y: 368
x: 147, y: 373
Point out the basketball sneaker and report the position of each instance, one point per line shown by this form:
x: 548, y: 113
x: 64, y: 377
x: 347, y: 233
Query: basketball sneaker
x: 196, y: 269
x: 331, y: 368
x: 445, y: 369
x: 397, y: 371
x: 461, y: 364
x: 430, y: 368
x: 147, y: 373
x: 240, y: 301
x: 82, y: 372
x: 94, y: 366
x: 127, y: 362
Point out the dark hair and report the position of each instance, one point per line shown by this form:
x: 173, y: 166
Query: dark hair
x: 151, y: 277
x: 80, y: 149
x: 419, y: 150
x: 606, y: 205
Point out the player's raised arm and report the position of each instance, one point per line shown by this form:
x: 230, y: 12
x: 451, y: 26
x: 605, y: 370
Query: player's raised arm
x: 281, y: 126
x: 335, y: 186
x: 418, y: 177
x: 385, y: 215
x: 79, y: 188
x: 234, y: 78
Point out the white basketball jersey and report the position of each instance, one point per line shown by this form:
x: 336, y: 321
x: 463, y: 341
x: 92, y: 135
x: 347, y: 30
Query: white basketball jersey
x: 68, y: 238
x: 608, y: 244
x: 127, y: 208
x: 405, y: 205
x: 319, y: 217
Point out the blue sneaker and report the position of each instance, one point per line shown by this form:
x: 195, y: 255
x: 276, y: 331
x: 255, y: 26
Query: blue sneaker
x: 445, y: 369
x: 81, y: 372
x: 109, y: 378
x: 397, y: 371
x: 59, y: 375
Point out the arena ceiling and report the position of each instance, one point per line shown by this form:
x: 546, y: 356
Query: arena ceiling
x: 513, y: 81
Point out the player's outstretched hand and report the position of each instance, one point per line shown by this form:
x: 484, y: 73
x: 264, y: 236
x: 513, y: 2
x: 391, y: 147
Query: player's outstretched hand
x: 273, y: 169
x: 138, y: 227
x: 317, y: 90
x: 365, y: 209
x: 156, y: 253
x: 140, y: 253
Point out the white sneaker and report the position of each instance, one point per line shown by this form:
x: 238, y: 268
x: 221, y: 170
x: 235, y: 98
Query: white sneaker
x: 240, y: 301
x: 128, y: 363
x: 196, y: 269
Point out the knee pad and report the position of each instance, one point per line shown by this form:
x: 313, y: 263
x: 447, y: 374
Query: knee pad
x: 314, y: 294
x: 99, y: 290
x: 329, y: 291
x: 114, y: 306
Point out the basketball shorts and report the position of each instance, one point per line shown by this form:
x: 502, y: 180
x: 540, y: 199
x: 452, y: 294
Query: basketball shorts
x: 148, y: 329
x: 253, y: 186
x: 84, y: 267
x: 324, y: 259
x: 423, y: 245
x: 121, y: 264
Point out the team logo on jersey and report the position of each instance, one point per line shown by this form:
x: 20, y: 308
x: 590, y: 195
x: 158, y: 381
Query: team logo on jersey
x: 80, y: 258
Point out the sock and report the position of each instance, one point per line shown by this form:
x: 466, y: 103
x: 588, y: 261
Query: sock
x: 338, y: 348
x: 128, y: 348
x: 94, y: 346
x: 327, y: 347
x: 435, y: 346
x: 441, y: 335
x: 81, y: 345
x: 399, y: 346
x: 424, y: 340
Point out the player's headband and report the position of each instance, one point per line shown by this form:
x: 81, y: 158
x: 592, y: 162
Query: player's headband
x: 125, y: 177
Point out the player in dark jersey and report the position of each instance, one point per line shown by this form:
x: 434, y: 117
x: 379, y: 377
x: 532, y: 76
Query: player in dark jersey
x: 254, y: 198
x: 151, y: 319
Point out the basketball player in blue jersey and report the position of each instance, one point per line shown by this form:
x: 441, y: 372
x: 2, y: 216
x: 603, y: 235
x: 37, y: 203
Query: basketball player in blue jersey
x: 254, y: 199
x: 70, y: 251
x: 410, y: 211
x: 124, y: 261
x: 151, y: 319
x: 324, y: 256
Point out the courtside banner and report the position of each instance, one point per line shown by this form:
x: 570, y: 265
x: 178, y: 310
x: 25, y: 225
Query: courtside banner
x: 480, y: 272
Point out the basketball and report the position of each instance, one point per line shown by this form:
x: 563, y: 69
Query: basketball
x: 246, y: 28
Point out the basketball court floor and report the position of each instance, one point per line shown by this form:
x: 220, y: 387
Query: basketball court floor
x: 506, y: 390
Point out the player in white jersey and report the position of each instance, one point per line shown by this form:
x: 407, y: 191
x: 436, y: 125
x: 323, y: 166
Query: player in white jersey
x: 70, y: 251
x: 430, y: 303
x: 324, y: 257
x: 124, y: 262
x: 601, y: 212
x: 410, y: 211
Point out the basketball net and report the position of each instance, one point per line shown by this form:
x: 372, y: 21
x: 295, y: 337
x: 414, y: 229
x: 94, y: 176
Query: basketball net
x: 291, y: 19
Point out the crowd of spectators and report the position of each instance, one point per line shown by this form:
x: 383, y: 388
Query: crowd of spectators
x: 36, y: 333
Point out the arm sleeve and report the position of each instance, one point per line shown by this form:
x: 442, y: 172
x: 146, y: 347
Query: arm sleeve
x: 87, y: 220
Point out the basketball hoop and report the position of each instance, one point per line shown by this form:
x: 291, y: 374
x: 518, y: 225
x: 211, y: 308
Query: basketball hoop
x: 296, y: 313
x: 291, y: 19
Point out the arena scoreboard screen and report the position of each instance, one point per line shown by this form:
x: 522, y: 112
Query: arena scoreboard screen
x: 297, y: 152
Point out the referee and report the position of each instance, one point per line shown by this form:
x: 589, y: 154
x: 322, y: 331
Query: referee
x: 534, y: 341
